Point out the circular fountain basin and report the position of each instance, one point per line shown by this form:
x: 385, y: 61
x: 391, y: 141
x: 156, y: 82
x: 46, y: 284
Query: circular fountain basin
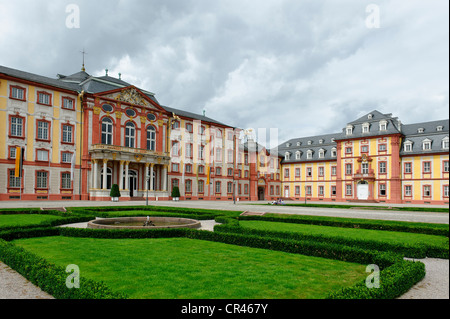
x: 138, y: 223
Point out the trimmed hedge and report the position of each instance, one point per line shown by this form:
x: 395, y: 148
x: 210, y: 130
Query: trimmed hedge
x: 414, y: 251
x: 420, y: 228
x: 394, y: 282
x: 51, y: 278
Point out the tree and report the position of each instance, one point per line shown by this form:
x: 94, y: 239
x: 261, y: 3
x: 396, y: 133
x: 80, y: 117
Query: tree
x: 175, y: 192
x: 115, y: 192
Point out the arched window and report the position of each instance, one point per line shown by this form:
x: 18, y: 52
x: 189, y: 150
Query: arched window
x: 107, y: 131
x: 130, y: 134
x: 151, y: 138
x: 108, y: 178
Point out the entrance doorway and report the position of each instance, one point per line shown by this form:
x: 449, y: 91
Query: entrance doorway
x: 363, y: 190
x: 132, y: 182
x: 261, y: 192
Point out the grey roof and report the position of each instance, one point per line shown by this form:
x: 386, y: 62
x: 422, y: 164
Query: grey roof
x: 39, y: 79
x: 192, y: 115
x: 434, y: 131
x: 305, y: 144
x: 373, y: 119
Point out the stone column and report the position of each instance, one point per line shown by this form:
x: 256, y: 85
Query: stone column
x: 152, y: 187
x: 146, y: 176
x: 127, y: 163
x: 105, y: 173
x: 164, y: 176
x: 121, y: 175
x: 95, y: 177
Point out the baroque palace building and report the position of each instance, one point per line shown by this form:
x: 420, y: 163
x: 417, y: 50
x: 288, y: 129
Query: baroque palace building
x: 78, y: 135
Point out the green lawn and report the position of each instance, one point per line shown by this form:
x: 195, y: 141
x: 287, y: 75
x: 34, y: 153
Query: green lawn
x: 25, y: 219
x: 350, y: 233
x: 178, y: 268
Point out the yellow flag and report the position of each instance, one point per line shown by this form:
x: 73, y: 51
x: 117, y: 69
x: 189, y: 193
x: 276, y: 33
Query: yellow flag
x: 18, y: 161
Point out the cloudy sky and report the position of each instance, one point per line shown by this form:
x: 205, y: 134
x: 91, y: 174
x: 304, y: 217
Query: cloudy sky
x: 306, y: 67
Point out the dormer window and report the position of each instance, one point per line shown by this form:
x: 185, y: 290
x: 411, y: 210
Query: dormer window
x: 349, y: 130
x: 370, y: 116
x: 333, y: 152
x: 287, y: 156
x: 299, y: 143
x: 421, y: 130
x: 445, y: 143
x: 288, y: 144
x: 408, y: 146
x: 439, y: 128
x: 426, y: 145
x: 310, y: 142
x: 383, y: 125
x: 321, y: 153
x: 332, y: 140
x: 309, y: 155
x: 298, y: 155
x: 321, y: 141
x: 365, y: 128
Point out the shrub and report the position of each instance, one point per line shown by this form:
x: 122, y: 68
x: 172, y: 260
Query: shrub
x: 115, y: 192
x: 175, y: 192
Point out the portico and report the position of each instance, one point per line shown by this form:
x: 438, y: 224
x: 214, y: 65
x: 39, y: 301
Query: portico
x: 136, y: 171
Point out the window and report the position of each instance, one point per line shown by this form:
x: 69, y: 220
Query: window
x: 408, y: 168
x: 189, y: 127
x: 427, y: 191
x: 426, y: 145
x: 408, y: 146
x: 12, y: 152
x: 365, y: 128
x: 408, y: 190
x: 230, y: 172
x: 201, y: 169
x: 287, y: 156
x: 108, y: 178
x: 107, y: 108
x: 188, y: 186
x: 309, y: 154
x: 445, y: 191
x: 41, y: 179
x: 321, y: 153
x: 130, y: 131
x: 297, y: 155
x: 364, y: 149
x: 218, y: 186
x: 68, y: 103
x: 333, y: 152
x: 201, y: 152
x: 382, y: 189
x: 130, y: 113
x: 321, y: 191
x: 348, y: 150
x: 333, y: 170
x: 151, y: 138
x: 189, y: 152
x: 445, y: 143
x: 246, y: 189
x: 43, y: 130
x: 321, y: 171
x: 348, y: 190
x: 246, y: 174
x: 364, y: 168
x: 271, y: 190
x: 383, y: 125
x: 230, y: 156
x: 67, y: 136
x: 201, y: 186
x: 175, y: 167
x: 445, y: 167
x: 17, y: 93
x: 309, y: 171
x: 286, y: 173
x: 297, y: 172
x: 66, y: 157
x: 382, y: 167
x: 42, y: 155
x: 382, y: 147
x: 333, y: 190
x: 107, y: 129
x: 246, y: 159
x: 14, y: 182
x: 297, y: 190
x: 202, y: 130
x: 66, y: 182
x: 230, y: 187
x: 44, y: 98
x: 218, y: 171
x: 17, y: 127
x: 188, y: 168
x: 219, y: 154
x: 175, y: 125
x: 175, y: 182
x: 348, y: 169
x: 175, y: 148
x: 308, y: 190
x: 427, y: 167
x: 349, y: 130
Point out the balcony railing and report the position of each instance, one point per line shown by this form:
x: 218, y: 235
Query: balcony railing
x: 123, y: 149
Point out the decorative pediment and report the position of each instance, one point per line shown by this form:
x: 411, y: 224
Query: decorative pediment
x: 132, y: 96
